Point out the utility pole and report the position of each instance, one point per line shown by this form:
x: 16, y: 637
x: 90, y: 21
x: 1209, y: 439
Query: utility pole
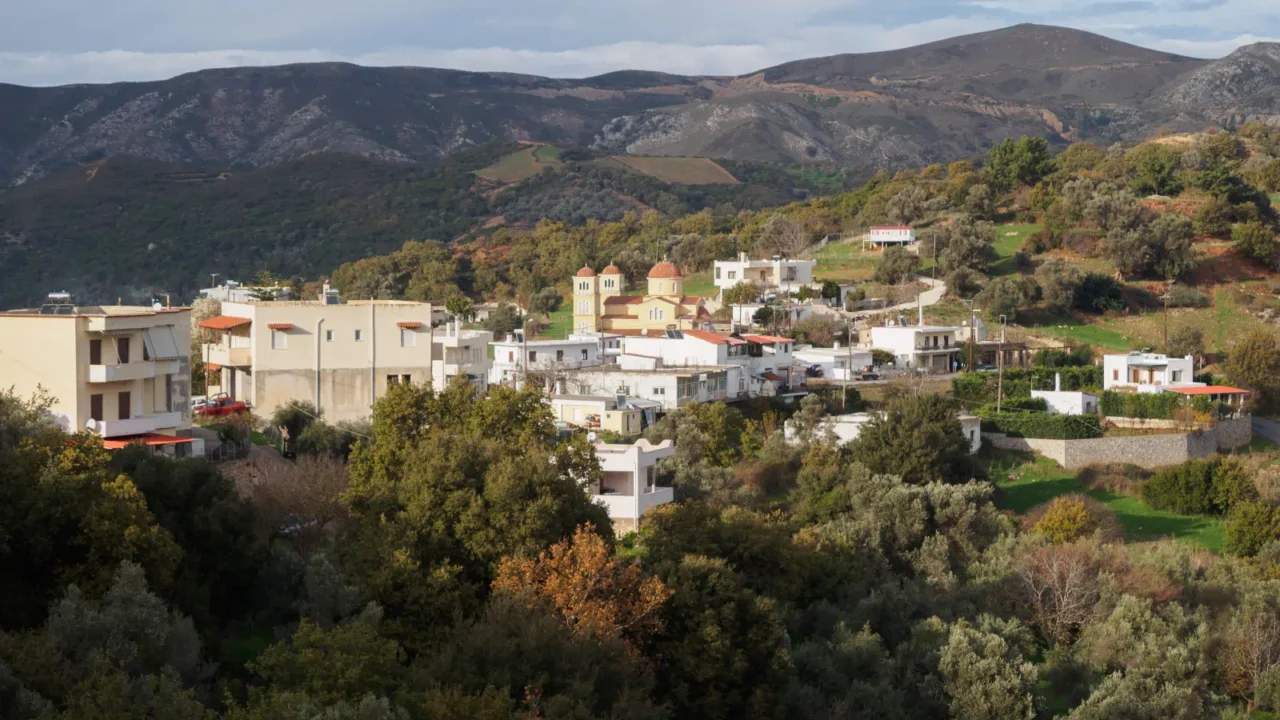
x: 973, y: 335
x: 1165, y: 297
x: 1000, y: 376
x: 848, y: 364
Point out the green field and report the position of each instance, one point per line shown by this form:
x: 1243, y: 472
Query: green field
x: 700, y: 284
x: 1038, y: 481
x: 521, y: 165
x: 1009, y: 240
x: 684, y: 170
x: 845, y: 262
x: 1076, y: 331
x: 561, y: 323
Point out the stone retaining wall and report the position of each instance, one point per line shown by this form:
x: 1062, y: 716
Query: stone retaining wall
x: 1148, y: 451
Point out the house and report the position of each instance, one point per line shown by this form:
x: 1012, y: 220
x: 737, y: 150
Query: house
x: 1067, y: 402
x: 785, y: 274
x: 647, y: 379
x: 600, y: 306
x: 1146, y: 372
x: 628, y: 487
x: 771, y: 365
x: 514, y: 356
x: 837, y: 363
x: 122, y: 372
x: 482, y: 311
x: 459, y: 352
x: 232, y: 291
x: 612, y: 414
x: 918, y: 346
x: 883, y: 236
x: 340, y: 356
x: 688, y: 348
x: 848, y: 427
x: 743, y: 315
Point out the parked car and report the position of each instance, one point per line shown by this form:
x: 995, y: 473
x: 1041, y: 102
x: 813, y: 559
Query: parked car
x: 221, y: 406
x: 813, y: 371
x: 870, y: 376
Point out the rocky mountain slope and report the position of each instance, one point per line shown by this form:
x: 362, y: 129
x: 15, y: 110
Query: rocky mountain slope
x: 865, y: 111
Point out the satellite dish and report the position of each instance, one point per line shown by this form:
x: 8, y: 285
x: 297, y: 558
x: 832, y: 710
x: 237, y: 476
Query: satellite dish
x: 644, y: 331
x: 591, y: 436
x: 91, y: 424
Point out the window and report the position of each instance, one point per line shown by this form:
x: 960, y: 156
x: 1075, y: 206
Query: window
x: 399, y: 380
x: 168, y: 392
x: 559, y: 356
x: 122, y: 350
x: 733, y: 274
x: 533, y: 356
x: 408, y: 338
x: 95, y: 352
x: 584, y: 307
x: 582, y: 327
x: 1115, y: 375
x: 328, y: 336
x: 95, y: 407
x: 946, y: 341
x: 657, y: 314
x: 1176, y: 375
x: 660, y: 288
x: 125, y: 405
x: 659, y: 391
x: 279, y: 340
x: 717, y: 272
x: 584, y: 354
x: 584, y: 286
x: 511, y: 356
x: 359, y: 336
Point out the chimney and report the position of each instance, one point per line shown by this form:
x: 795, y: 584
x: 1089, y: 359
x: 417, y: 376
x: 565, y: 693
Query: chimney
x: 1057, y: 382
x: 837, y: 345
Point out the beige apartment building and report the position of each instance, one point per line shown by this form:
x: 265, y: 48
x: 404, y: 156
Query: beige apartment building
x: 122, y: 372
x: 340, y: 356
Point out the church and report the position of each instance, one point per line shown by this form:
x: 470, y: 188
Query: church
x: 600, y: 306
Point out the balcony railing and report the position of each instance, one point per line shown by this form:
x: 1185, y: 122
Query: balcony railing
x: 138, y: 425
x: 631, y: 506
x: 230, y: 356
x: 122, y: 373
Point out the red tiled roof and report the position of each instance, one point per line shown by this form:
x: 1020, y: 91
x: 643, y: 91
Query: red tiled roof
x: 623, y: 300
x: 712, y: 338
x: 224, y: 322
x: 1208, y: 390
x: 692, y: 300
x: 411, y: 325
x: 664, y: 270
x: 767, y: 339
x: 149, y: 439
x: 586, y: 272
x: 280, y: 326
x: 611, y: 270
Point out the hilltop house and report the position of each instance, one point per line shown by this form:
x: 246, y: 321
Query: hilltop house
x: 918, y: 346
x: 1146, y: 372
x: 883, y: 236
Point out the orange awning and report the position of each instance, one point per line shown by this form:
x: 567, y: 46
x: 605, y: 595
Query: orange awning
x: 151, y: 439
x: 280, y: 326
x: 224, y: 322
x: 411, y: 325
x: 213, y: 367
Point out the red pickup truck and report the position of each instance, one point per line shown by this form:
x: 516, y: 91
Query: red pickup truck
x: 221, y: 406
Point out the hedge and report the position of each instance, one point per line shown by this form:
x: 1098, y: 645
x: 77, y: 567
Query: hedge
x: 1200, y: 487
x: 980, y: 387
x: 1041, y: 425
x: 1161, y: 406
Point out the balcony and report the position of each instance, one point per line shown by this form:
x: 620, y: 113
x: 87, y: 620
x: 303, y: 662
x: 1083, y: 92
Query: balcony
x: 122, y: 373
x: 138, y: 425
x: 229, y: 356
x: 631, y: 506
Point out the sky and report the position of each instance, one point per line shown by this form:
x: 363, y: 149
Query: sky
x: 54, y: 42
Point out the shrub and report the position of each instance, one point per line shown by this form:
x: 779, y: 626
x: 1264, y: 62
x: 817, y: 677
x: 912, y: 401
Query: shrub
x: 1250, y: 526
x: 1200, y: 487
x: 1071, y: 517
x: 1159, y: 406
x: 1041, y: 425
x: 1182, y: 296
x: 1118, y: 478
x: 1100, y: 293
x: 1254, y: 240
x: 295, y: 417
x: 1080, y: 356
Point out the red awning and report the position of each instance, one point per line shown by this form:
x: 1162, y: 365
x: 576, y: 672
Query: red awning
x: 411, y: 325
x: 280, y: 326
x: 151, y: 439
x: 767, y: 339
x: 1208, y: 390
x: 775, y: 377
x: 213, y: 367
x: 224, y: 322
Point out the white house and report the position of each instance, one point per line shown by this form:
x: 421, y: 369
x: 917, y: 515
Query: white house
x: 886, y: 235
x: 837, y: 363
x: 743, y: 315
x: 1147, y: 372
x: 918, y: 346
x: 688, y: 348
x: 771, y: 364
x: 647, y: 379
x: 629, y: 488
x: 232, y: 291
x: 513, y: 356
x: 848, y: 427
x: 786, y: 274
x: 1062, y: 402
x: 458, y: 352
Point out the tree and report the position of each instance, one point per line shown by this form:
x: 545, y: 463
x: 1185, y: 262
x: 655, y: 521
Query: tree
x: 783, y: 236
x: 1171, y: 237
x: 1251, y: 526
x: 503, y: 320
x: 1185, y: 340
x: 985, y: 674
x: 546, y: 301
x: 1254, y: 362
x: 1255, y: 240
x: 907, y: 206
x: 1070, y: 517
x: 1113, y: 209
x: 895, y: 266
x: 743, y: 293
x: 917, y: 438
x: 1129, y: 251
x: 1024, y: 161
x: 591, y: 589
x: 1059, y: 282
x: 967, y: 244
x: 979, y: 202
x: 1156, y: 169
x: 819, y: 330
x: 1253, y: 642
x: 1100, y: 293
x: 303, y: 500
x: 1005, y: 295
x: 830, y: 290
x: 460, y: 307
x: 1058, y: 585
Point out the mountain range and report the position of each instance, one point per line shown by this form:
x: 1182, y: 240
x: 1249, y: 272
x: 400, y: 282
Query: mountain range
x: 929, y: 103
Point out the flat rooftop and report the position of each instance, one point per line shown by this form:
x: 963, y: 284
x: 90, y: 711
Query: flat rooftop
x: 100, y: 311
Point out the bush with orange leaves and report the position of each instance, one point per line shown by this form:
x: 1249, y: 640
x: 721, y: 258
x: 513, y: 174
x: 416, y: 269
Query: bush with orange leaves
x: 594, y: 592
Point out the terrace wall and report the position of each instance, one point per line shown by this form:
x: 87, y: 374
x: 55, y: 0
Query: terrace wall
x: 1148, y: 451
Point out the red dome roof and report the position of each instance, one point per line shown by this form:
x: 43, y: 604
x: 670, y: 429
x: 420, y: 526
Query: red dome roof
x: 664, y: 269
x: 611, y: 270
x: 586, y: 271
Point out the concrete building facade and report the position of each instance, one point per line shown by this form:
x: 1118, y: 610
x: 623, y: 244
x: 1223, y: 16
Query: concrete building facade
x: 918, y: 346
x: 784, y: 274
x: 1146, y: 372
x: 628, y: 488
x: 121, y: 372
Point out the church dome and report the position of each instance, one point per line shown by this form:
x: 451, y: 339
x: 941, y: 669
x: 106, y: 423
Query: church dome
x: 586, y: 271
x: 611, y: 270
x: 664, y: 270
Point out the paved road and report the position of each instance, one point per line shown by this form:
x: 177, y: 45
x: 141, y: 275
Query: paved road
x: 932, y: 296
x: 1269, y: 429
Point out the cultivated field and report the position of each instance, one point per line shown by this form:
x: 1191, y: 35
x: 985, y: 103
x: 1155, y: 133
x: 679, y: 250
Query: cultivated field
x: 521, y: 165
x: 686, y: 170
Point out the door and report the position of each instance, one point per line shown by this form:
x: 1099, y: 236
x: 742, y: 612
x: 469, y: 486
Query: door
x: 95, y: 352
x: 126, y: 405
x: 122, y: 349
x: 95, y: 407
